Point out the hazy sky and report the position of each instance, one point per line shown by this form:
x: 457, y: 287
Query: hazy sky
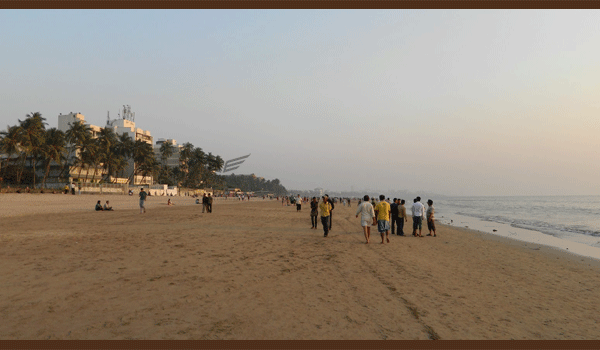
x: 463, y: 102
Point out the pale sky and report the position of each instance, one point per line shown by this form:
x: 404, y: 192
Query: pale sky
x: 461, y: 102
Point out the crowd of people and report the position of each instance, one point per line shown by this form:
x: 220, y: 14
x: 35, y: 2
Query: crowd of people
x: 386, y: 215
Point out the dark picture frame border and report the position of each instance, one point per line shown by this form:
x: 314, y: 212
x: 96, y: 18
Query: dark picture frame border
x: 298, y: 344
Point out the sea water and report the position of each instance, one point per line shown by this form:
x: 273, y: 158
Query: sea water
x: 570, y: 223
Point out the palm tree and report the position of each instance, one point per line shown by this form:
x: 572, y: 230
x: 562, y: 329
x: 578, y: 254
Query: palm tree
x: 124, y: 149
x: 178, y: 175
x: 118, y: 165
x: 166, y: 174
x: 34, y: 132
x: 166, y: 150
x: 149, y: 166
x: 78, y: 137
x: 185, y: 158
x: 90, y: 157
x: 107, y: 150
x: 54, y: 150
x: 143, y: 154
x: 10, y: 143
x: 218, y: 163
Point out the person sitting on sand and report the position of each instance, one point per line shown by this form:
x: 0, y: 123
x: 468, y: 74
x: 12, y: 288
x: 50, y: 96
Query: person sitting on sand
x: 169, y: 202
x: 99, y: 206
x: 107, y: 206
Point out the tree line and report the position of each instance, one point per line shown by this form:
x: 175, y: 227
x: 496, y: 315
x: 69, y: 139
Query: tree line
x: 252, y: 183
x: 30, y: 146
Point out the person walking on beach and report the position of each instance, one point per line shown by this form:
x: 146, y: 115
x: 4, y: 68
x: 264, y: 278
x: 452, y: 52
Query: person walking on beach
x: 331, y: 210
x: 204, y: 203
x: 314, y: 212
x: 394, y: 212
x: 430, y: 218
x: 298, y: 203
x: 143, y: 195
x: 325, y: 208
x: 418, y: 211
x: 367, y: 217
x: 382, y: 211
x: 210, y: 203
x: 401, y: 217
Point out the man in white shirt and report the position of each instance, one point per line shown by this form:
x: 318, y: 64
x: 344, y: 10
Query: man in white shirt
x: 418, y: 212
x: 366, y: 218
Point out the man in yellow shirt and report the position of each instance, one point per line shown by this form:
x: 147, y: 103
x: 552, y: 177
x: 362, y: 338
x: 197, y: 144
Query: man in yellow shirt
x: 383, y: 213
x: 325, y: 208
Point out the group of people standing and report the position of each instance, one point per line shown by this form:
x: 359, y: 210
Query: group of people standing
x: 384, y: 213
x: 381, y: 215
x: 207, y: 201
x: 419, y: 213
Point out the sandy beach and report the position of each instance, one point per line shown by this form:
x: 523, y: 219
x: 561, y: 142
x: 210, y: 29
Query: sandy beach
x: 255, y: 270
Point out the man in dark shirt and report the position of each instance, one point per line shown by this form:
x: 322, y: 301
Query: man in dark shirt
x: 394, y: 211
x: 401, y: 217
x: 143, y: 195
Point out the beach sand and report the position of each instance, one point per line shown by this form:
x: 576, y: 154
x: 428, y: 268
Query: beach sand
x: 255, y: 270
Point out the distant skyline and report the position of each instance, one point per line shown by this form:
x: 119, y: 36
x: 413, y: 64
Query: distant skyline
x: 455, y: 102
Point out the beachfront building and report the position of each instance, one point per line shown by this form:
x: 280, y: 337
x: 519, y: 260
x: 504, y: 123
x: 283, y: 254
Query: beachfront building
x: 171, y: 161
x: 76, y: 172
x: 124, y: 125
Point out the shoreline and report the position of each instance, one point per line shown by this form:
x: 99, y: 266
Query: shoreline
x: 529, y: 246
x: 255, y: 270
x: 524, y: 235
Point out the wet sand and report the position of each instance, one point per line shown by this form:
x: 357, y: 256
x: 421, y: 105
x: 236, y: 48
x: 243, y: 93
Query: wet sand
x: 255, y: 270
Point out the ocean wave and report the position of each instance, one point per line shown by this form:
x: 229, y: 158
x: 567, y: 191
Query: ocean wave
x: 555, y: 230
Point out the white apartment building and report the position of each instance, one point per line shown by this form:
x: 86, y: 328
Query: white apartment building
x: 124, y: 126
x: 120, y: 126
x: 173, y: 160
